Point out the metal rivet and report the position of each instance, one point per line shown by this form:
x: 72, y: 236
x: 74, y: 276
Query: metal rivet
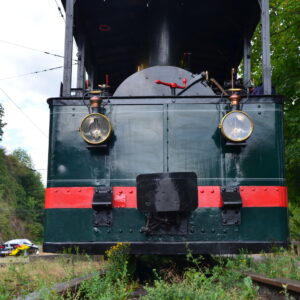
x: 265, y: 190
x: 277, y: 190
x: 212, y: 191
x: 253, y: 190
x: 241, y: 190
x: 202, y: 191
x: 202, y: 230
x: 108, y: 230
x: 224, y: 231
x: 213, y: 230
x: 121, y: 230
x: 56, y: 191
x: 130, y: 230
x: 131, y: 192
x: 79, y: 191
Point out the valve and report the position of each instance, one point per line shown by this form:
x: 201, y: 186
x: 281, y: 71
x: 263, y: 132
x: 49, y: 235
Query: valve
x: 173, y: 85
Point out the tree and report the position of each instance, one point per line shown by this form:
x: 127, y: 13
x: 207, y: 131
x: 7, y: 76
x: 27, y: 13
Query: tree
x: 285, y: 57
x: 2, y: 124
x: 23, y: 157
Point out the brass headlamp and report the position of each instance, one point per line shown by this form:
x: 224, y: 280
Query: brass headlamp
x: 95, y: 128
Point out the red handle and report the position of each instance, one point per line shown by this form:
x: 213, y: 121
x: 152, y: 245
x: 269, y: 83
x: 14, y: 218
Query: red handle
x: 173, y: 84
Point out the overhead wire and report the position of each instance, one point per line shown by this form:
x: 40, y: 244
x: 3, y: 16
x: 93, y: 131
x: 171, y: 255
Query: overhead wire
x: 33, y: 73
x: 20, y: 109
x: 60, y: 11
x: 29, y: 48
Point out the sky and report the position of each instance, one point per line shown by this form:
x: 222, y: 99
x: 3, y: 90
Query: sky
x: 35, y: 24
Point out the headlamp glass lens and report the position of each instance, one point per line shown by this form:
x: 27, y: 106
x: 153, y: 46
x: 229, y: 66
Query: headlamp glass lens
x: 95, y: 128
x: 237, y: 126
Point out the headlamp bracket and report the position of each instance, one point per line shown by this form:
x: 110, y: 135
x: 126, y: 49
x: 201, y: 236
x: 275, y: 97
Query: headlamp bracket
x: 102, y: 206
x: 232, y: 203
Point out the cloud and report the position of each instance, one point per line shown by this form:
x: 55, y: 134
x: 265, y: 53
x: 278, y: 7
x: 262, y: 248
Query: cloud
x: 36, y: 24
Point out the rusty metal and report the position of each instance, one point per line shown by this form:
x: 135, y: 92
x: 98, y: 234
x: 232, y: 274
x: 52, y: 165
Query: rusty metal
x: 235, y: 99
x: 288, y: 284
x: 218, y: 86
x: 95, y: 102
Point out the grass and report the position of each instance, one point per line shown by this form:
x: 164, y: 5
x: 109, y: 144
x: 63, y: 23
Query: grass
x: 171, y: 280
x: 22, y: 279
x: 278, y: 264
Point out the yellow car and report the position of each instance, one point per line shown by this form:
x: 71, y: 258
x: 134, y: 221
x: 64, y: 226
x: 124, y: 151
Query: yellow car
x: 17, y: 247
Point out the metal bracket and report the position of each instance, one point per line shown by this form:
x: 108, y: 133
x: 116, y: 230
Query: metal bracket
x: 232, y: 203
x: 102, y: 205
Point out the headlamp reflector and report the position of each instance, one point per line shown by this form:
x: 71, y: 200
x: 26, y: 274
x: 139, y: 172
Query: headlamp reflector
x: 237, y: 126
x: 95, y: 128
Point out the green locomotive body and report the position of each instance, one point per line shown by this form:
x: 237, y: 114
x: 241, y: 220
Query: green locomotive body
x: 162, y: 165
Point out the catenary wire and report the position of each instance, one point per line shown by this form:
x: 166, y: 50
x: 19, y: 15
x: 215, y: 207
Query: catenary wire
x: 29, y: 48
x: 19, y: 108
x: 32, y: 73
x: 60, y: 11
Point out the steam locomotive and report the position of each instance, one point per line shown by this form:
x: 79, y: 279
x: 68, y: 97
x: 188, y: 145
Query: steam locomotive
x: 163, y: 146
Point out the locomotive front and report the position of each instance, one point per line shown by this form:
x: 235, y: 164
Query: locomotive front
x: 164, y: 158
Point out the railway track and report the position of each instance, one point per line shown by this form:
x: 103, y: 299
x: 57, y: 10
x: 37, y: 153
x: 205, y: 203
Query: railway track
x: 275, y: 288
x: 269, y: 288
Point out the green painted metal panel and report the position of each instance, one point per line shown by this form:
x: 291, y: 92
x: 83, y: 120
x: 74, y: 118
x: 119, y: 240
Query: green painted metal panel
x: 260, y: 162
x: 68, y: 225
x: 193, y: 141
x: 166, y: 137
x: 258, y: 224
x: 136, y: 147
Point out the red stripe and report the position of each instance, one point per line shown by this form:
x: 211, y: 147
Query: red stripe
x: 125, y: 197
x: 252, y: 196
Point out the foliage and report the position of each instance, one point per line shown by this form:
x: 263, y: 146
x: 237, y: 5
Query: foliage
x: 285, y: 57
x: 2, y: 124
x: 22, y: 279
x: 219, y: 282
x: 21, y: 197
x: 115, y: 284
x: 280, y: 263
x: 295, y: 222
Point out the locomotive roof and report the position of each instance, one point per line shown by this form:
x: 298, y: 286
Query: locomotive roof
x: 116, y: 30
